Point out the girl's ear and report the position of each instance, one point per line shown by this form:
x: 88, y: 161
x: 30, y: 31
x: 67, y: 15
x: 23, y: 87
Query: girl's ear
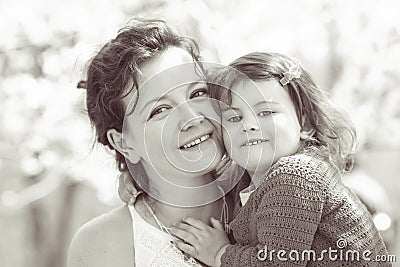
x: 118, y: 143
x: 306, y: 131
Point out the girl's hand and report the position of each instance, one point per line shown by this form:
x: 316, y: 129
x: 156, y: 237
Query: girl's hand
x: 222, y: 165
x: 126, y: 189
x: 200, y: 240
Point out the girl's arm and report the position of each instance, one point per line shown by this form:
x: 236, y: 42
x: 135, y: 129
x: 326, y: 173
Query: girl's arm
x: 288, y: 215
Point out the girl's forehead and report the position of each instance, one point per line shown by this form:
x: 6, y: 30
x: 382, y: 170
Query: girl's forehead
x: 268, y: 90
x: 248, y: 89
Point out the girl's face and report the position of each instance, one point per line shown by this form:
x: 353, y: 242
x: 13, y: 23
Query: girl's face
x: 261, y: 125
x: 172, y: 128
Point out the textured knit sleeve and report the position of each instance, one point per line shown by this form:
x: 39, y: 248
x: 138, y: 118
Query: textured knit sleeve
x: 288, y: 208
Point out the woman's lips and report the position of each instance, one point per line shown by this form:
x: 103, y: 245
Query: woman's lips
x: 196, y: 141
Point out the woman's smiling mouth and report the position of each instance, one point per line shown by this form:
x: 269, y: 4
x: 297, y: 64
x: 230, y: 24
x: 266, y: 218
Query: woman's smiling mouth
x: 196, y: 141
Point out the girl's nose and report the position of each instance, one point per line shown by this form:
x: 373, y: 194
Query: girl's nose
x: 250, y: 125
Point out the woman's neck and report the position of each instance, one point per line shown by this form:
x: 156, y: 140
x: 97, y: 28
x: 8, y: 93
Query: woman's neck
x: 181, y: 179
x: 170, y: 215
x: 184, y: 189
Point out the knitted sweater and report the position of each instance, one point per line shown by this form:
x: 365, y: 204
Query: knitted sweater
x: 303, y: 208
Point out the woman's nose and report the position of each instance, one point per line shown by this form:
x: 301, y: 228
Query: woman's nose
x: 189, y: 117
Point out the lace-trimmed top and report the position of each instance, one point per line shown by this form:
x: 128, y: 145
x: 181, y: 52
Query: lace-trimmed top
x: 153, y: 247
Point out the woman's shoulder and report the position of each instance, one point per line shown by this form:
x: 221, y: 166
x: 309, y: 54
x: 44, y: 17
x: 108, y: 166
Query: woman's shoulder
x: 106, y: 240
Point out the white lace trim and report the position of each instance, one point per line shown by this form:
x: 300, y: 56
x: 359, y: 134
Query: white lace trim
x: 156, y: 244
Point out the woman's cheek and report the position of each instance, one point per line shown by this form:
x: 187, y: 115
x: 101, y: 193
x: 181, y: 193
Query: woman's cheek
x: 227, y: 139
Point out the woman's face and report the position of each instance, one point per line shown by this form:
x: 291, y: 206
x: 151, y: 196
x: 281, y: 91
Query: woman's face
x: 173, y: 126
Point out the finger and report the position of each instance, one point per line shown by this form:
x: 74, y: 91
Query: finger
x: 195, y: 222
x: 217, y: 224
x: 188, y: 228
x: 189, y: 249
x: 183, y: 235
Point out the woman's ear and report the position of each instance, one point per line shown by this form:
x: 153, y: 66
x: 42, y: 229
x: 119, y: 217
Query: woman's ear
x: 118, y: 143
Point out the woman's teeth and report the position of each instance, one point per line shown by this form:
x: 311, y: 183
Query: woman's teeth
x: 197, y: 141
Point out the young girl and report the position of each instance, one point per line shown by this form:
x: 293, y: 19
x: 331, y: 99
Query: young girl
x: 280, y: 127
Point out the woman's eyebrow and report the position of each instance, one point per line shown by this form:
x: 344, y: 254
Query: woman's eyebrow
x: 163, y: 97
x: 153, y: 100
x: 193, y: 84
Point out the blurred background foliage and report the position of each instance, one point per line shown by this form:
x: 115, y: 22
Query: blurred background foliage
x: 52, y: 180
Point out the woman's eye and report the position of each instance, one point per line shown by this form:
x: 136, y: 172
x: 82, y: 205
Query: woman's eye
x: 199, y: 92
x: 235, y: 119
x: 265, y: 113
x: 158, y: 110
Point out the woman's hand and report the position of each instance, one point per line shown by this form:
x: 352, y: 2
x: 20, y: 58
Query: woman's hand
x: 200, y: 240
x: 126, y: 189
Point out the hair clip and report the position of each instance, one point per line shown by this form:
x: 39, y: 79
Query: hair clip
x: 293, y: 73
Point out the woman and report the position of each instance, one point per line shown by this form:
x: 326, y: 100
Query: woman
x: 147, y: 100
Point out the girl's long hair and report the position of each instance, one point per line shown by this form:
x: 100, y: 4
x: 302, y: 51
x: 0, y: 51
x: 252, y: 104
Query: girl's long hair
x: 333, y: 135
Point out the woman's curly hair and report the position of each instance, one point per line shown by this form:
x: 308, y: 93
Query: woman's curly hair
x: 113, y: 70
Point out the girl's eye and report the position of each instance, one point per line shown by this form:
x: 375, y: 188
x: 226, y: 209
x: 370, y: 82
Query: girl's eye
x: 199, y: 92
x: 235, y: 118
x: 158, y: 110
x: 265, y: 113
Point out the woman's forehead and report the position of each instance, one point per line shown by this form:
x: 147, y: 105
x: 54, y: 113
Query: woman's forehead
x: 172, y: 68
x: 176, y: 79
x: 172, y: 84
x: 166, y: 61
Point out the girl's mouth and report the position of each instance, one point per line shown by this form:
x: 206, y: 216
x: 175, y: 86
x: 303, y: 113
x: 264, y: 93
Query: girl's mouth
x: 255, y: 142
